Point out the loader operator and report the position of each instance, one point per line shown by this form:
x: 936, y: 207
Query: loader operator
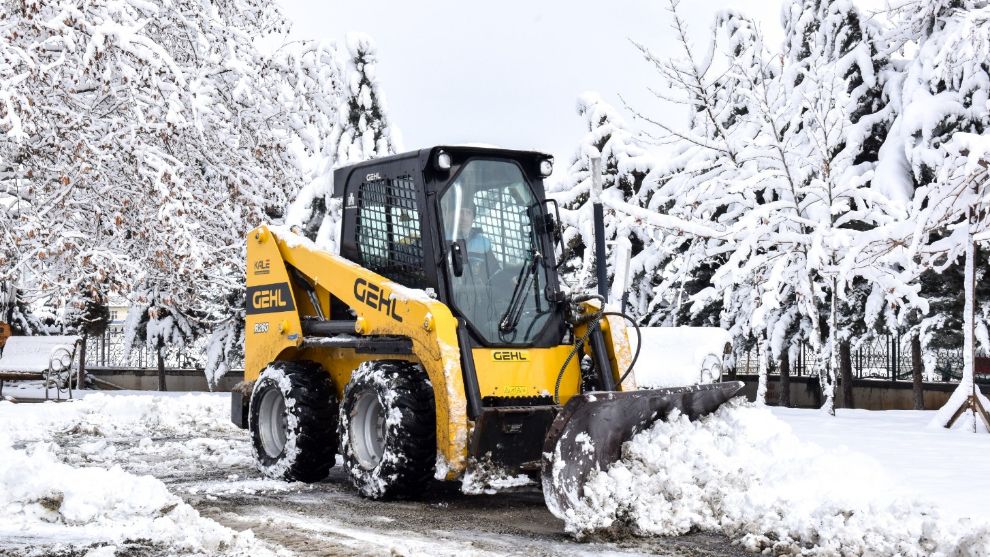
x: 479, y: 247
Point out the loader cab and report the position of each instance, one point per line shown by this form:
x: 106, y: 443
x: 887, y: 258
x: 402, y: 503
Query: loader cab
x: 470, y: 224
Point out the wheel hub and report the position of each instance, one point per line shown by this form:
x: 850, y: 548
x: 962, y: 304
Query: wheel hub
x: 272, y: 423
x: 367, y: 430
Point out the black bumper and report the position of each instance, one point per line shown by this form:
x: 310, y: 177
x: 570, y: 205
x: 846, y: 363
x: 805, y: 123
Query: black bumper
x: 238, y: 409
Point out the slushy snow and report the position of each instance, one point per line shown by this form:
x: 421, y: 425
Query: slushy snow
x: 744, y: 473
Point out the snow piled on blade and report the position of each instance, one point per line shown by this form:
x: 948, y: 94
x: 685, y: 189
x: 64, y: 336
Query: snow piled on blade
x: 742, y: 472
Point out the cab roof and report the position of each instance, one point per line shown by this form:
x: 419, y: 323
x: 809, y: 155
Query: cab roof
x: 423, y: 159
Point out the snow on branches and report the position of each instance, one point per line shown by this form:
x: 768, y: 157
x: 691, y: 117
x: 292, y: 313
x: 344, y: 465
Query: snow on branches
x: 815, y: 189
x: 140, y: 141
x: 359, y: 131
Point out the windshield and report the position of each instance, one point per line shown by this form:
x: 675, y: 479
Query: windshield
x: 487, y: 212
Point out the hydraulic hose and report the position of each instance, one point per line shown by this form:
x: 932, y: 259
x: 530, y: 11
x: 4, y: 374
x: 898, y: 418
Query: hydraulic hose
x: 593, y: 321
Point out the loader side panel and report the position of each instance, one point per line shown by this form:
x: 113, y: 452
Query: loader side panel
x: 381, y: 307
x: 272, y: 311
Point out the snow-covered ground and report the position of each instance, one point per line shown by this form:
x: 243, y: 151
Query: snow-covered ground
x: 162, y: 474
x: 950, y: 469
x: 89, y: 474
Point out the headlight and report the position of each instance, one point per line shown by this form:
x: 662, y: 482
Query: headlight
x: 546, y: 167
x: 443, y: 160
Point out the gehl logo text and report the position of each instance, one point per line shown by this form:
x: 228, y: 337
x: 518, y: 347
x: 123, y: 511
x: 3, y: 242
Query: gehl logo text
x: 269, y: 298
x: 375, y: 297
x: 510, y: 356
x: 266, y: 299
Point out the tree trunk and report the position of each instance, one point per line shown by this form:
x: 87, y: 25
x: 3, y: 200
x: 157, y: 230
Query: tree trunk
x: 161, y: 370
x: 763, y: 361
x: 82, y: 364
x: 916, y: 377
x: 785, y: 379
x: 846, y: 372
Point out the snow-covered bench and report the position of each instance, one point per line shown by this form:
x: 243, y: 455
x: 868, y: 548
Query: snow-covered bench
x: 45, y: 358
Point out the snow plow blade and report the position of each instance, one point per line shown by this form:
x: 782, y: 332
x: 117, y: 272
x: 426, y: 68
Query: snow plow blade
x: 588, y: 434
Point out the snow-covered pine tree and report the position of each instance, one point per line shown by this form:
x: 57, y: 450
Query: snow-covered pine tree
x: 314, y: 73
x: 623, y: 171
x: 225, y: 346
x: 156, y: 322
x: 943, y: 112
x: 87, y: 312
x: 940, y: 99
x: 944, y: 91
x: 363, y: 131
x: 16, y: 312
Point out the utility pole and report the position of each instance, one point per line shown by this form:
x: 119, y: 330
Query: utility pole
x: 598, y: 217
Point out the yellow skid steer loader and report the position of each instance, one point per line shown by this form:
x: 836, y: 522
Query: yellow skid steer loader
x: 439, y: 338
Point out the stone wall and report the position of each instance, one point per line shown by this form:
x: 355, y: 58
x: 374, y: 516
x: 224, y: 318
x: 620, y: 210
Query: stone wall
x: 179, y: 380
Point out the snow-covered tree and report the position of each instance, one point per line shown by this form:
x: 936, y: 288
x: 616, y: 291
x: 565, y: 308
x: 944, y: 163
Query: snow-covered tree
x: 16, y: 312
x: 776, y: 162
x: 693, y: 183
x: 225, y: 347
x: 623, y: 170
x: 362, y: 131
x: 139, y: 142
x: 155, y: 321
x: 942, y: 109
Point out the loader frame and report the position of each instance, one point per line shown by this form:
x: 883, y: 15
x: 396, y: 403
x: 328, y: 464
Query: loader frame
x: 392, y: 322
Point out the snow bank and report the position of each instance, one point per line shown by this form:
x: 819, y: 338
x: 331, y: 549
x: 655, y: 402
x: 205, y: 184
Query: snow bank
x: 103, y: 414
x: 45, y: 496
x: 744, y: 473
x: 42, y: 497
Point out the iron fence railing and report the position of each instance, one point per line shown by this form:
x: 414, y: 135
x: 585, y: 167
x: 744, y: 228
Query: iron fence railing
x: 886, y: 357
x: 108, y: 351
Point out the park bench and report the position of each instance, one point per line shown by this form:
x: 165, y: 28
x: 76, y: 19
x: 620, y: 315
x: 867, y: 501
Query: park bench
x: 45, y: 358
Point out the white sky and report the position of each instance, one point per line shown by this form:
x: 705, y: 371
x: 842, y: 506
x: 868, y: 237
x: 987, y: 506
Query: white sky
x: 509, y: 72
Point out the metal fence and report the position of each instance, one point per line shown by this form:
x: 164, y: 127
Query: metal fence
x: 108, y: 351
x: 886, y: 357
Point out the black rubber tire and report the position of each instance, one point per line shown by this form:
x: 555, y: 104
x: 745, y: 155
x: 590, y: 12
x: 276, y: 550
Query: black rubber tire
x: 410, y: 441
x: 310, y: 415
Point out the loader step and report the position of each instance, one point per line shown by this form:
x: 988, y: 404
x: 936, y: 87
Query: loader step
x: 362, y: 344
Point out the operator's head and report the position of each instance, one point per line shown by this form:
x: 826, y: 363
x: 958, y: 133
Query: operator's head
x: 466, y: 220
